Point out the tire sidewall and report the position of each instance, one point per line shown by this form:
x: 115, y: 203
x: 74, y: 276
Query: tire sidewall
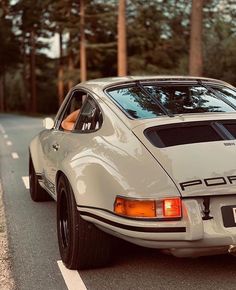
x: 32, y: 180
x: 65, y: 192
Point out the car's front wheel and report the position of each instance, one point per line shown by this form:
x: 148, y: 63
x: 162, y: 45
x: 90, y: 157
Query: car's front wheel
x: 81, y: 244
x: 37, y: 193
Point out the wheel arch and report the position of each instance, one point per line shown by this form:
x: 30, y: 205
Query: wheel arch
x: 95, y: 187
x: 35, y: 152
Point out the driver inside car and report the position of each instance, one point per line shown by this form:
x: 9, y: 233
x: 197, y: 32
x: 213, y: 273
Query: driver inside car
x: 69, y: 122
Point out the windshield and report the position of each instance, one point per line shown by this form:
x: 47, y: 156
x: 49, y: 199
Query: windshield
x: 152, y: 100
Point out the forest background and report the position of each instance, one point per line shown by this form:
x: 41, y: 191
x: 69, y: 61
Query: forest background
x: 157, y: 42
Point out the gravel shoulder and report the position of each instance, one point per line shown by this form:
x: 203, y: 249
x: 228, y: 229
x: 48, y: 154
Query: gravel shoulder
x: 6, y: 279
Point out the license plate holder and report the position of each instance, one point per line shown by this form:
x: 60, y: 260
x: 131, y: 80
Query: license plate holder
x: 229, y: 215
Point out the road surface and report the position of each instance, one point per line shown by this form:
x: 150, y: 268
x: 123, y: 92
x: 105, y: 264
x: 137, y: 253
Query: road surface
x: 33, y: 240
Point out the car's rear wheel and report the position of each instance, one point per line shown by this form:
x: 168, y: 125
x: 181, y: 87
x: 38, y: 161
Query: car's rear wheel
x: 81, y: 244
x: 37, y: 193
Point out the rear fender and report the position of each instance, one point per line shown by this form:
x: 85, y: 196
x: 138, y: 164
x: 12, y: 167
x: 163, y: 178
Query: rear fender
x: 35, y: 152
x: 96, y: 182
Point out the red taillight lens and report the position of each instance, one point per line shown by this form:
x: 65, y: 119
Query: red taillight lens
x: 172, y: 208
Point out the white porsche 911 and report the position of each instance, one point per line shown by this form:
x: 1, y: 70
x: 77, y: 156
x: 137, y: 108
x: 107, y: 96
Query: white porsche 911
x: 151, y: 160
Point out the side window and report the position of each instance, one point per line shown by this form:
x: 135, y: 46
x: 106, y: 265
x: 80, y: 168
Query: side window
x: 90, y: 117
x: 72, y: 110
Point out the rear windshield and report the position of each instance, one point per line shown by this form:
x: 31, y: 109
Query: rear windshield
x: 151, y: 101
x: 136, y: 103
x: 227, y: 93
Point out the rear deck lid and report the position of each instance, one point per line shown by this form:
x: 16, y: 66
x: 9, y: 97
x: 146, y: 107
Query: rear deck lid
x: 199, y: 156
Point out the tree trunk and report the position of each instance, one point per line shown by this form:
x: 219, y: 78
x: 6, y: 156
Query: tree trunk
x: 195, y: 56
x: 5, y: 11
x: 25, y: 78
x: 5, y: 7
x: 2, y: 109
x: 33, y: 72
x: 70, y: 69
x: 122, y: 51
x: 83, y: 60
x: 60, y: 82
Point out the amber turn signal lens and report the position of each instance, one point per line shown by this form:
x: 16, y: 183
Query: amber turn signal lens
x: 135, y: 208
x: 172, y: 208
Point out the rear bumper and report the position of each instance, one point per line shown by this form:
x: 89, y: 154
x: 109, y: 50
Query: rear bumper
x: 191, y: 236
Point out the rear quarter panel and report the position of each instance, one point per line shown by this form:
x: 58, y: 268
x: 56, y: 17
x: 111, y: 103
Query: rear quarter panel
x: 111, y: 162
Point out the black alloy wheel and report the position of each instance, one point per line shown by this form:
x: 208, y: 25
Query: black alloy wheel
x: 82, y: 245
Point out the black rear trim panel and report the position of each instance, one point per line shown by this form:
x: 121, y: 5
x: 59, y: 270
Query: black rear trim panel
x: 135, y: 228
x: 191, y: 132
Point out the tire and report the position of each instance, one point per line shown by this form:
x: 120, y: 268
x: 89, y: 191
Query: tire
x: 81, y: 244
x: 37, y: 193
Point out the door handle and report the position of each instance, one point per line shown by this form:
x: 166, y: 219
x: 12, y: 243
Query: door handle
x: 56, y: 146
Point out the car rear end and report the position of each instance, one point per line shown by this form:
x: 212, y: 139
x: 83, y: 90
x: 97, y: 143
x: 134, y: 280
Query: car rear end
x: 199, y: 156
x: 189, y: 128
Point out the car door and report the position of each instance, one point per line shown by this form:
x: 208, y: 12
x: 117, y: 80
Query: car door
x: 52, y: 142
x: 82, y: 139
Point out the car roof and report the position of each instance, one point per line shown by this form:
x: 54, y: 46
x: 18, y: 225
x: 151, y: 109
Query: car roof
x: 98, y: 87
x: 103, y: 83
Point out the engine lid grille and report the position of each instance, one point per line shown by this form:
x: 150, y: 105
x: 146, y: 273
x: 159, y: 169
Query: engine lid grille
x: 191, y: 132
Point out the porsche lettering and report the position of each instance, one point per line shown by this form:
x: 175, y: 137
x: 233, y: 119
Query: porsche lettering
x: 209, y: 181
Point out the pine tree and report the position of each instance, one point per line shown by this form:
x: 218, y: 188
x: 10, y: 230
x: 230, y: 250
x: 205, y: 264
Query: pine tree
x: 122, y: 51
x: 83, y: 58
x: 9, y: 49
x: 195, y: 54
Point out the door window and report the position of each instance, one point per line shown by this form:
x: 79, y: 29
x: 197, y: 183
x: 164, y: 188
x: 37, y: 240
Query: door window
x: 72, y: 110
x: 90, y: 118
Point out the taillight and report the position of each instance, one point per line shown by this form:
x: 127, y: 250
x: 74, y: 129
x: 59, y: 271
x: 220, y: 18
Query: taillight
x: 165, y: 208
x: 134, y: 207
x: 172, y: 208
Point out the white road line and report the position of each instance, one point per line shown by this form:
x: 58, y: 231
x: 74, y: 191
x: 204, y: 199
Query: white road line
x: 9, y: 143
x: 26, y: 181
x: 71, y: 277
x: 5, y: 136
x: 15, y: 155
x: 2, y: 129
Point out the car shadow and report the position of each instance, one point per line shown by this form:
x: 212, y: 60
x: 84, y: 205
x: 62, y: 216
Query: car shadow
x: 127, y: 252
x: 135, y: 267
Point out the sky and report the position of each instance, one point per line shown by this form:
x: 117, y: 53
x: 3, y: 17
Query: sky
x: 53, y: 50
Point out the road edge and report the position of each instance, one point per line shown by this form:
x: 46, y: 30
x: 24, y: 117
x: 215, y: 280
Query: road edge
x: 6, y: 275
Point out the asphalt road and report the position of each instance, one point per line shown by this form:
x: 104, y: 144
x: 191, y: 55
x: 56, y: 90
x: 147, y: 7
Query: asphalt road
x: 33, y: 241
